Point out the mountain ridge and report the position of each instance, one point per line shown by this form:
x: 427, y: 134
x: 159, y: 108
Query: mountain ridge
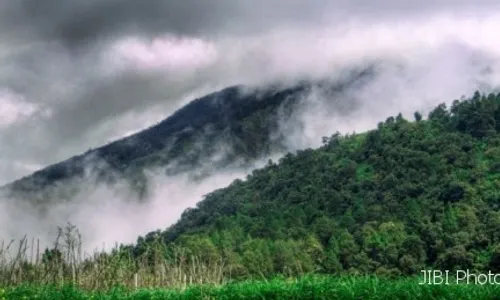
x: 246, y: 117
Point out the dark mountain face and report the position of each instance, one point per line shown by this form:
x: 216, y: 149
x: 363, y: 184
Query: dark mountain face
x: 244, y: 122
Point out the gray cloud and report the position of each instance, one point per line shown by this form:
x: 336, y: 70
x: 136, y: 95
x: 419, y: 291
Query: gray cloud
x: 78, y: 74
x: 78, y: 22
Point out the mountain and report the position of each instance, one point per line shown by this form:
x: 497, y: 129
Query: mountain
x: 235, y: 125
x: 395, y: 200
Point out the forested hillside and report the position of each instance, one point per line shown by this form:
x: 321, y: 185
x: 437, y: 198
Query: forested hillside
x: 406, y: 195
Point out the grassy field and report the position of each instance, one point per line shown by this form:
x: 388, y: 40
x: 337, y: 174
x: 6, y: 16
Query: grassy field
x: 311, y: 287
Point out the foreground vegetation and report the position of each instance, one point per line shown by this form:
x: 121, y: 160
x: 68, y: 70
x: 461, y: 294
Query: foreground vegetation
x: 304, y: 288
x: 22, y: 262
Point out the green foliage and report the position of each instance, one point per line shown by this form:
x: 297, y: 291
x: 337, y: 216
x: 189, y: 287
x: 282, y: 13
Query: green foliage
x: 390, y: 201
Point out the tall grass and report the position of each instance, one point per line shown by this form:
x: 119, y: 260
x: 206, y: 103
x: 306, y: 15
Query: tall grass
x: 23, y: 262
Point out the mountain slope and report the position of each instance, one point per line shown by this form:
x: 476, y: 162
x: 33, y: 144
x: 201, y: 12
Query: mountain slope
x: 394, y: 200
x: 240, y: 121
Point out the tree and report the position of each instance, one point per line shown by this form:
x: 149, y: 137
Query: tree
x: 455, y: 258
x: 418, y: 116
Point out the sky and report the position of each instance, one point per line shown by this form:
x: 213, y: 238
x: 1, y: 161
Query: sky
x: 78, y: 74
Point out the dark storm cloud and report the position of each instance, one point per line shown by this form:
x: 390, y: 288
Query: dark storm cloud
x: 76, y: 22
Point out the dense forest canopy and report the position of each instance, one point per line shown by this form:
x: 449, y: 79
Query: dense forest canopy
x: 407, y: 195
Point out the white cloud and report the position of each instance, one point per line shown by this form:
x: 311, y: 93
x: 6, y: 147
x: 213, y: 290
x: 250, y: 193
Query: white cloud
x: 169, y: 53
x: 13, y: 108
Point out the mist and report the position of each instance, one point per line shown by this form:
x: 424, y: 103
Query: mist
x: 110, y: 214
x: 77, y: 97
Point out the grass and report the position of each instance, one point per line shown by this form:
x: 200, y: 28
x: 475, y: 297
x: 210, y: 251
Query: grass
x: 309, y: 287
x: 23, y: 264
